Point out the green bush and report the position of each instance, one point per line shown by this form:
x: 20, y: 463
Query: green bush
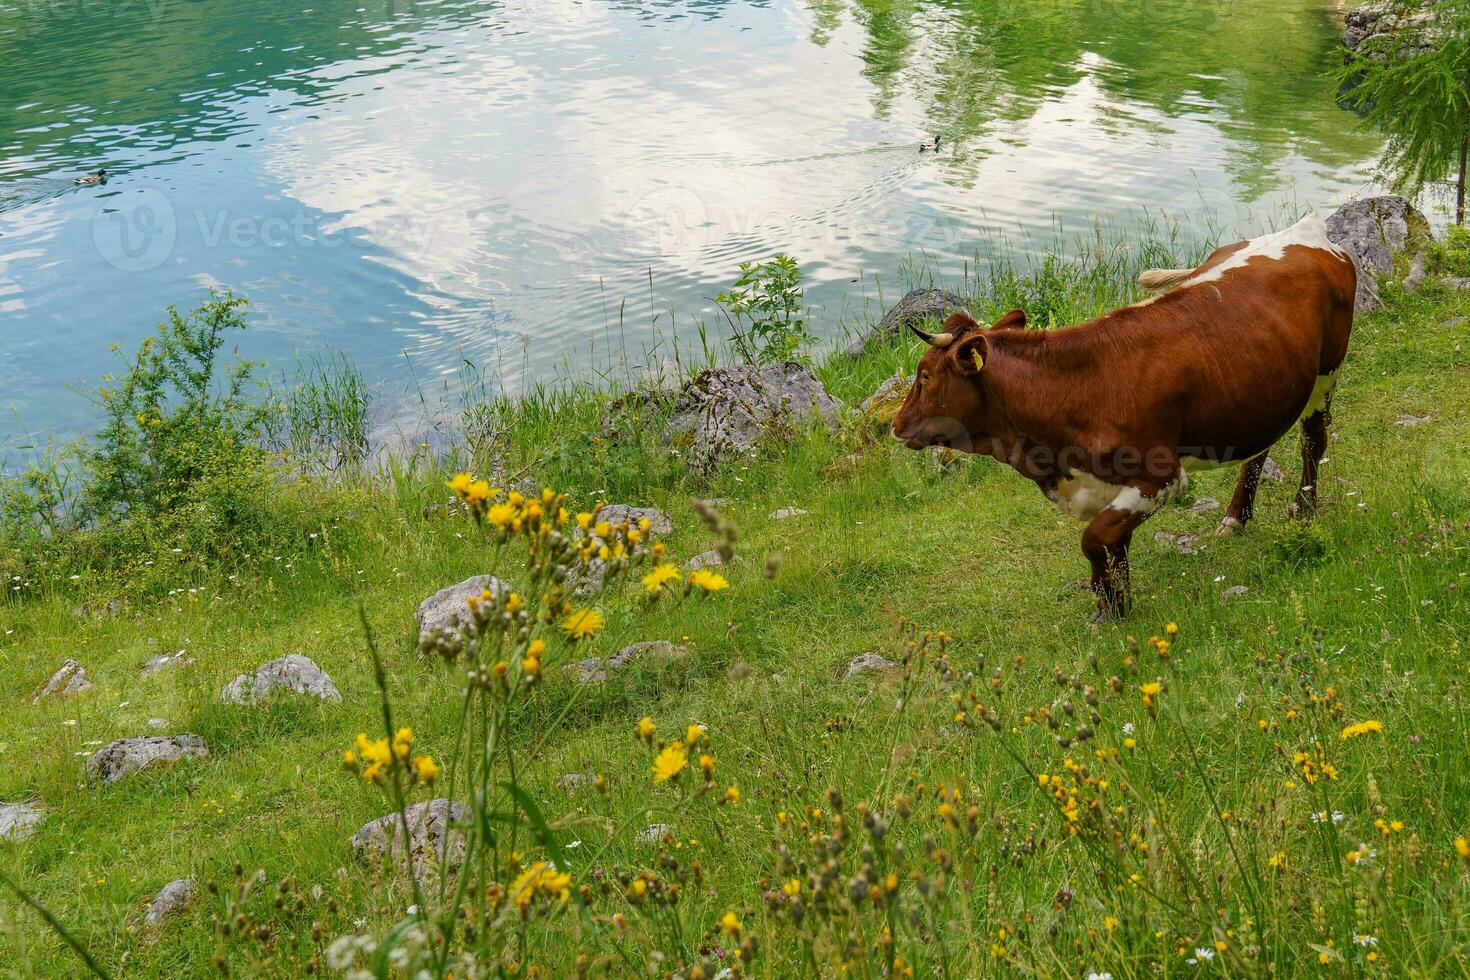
x: 767, y: 309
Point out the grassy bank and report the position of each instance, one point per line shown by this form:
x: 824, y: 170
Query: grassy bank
x: 1200, y: 844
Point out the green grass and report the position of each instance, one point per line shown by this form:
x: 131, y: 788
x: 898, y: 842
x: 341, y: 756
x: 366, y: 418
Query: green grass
x: 1369, y: 602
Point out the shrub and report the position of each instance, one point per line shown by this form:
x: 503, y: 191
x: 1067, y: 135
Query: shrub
x: 767, y: 309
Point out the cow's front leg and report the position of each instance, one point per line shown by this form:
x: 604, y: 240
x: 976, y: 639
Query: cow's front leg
x: 1105, y: 543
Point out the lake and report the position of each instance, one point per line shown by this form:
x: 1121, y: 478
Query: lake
x: 544, y: 188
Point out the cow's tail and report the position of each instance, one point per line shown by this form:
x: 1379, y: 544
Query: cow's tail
x: 1163, y: 278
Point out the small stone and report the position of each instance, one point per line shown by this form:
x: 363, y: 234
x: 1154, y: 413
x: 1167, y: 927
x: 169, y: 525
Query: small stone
x: 653, y: 833
x: 171, y: 899
x: 293, y: 672
x: 127, y: 756
x: 165, y: 661
x: 595, y: 670
x: 19, y: 820
x: 1406, y: 421
x: 436, y: 837
x: 786, y: 512
x: 157, y: 723
x: 1204, y: 505
x: 446, y: 609
x: 1185, y: 544
x: 869, y: 663
x: 739, y: 671
x: 1234, y: 592
x: 658, y: 521
x: 1271, y: 471
x: 1457, y: 283
x: 705, y: 559
x: 572, y: 781
x: 70, y: 678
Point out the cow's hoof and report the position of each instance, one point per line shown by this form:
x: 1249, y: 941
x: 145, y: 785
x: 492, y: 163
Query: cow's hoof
x: 1228, y: 526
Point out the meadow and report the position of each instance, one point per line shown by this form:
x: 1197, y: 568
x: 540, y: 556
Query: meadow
x: 1260, y: 772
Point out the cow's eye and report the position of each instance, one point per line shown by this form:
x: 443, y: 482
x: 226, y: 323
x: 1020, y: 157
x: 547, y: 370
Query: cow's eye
x: 924, y: 377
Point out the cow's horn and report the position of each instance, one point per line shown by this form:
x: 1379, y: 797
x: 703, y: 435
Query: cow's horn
x: 933, y: 339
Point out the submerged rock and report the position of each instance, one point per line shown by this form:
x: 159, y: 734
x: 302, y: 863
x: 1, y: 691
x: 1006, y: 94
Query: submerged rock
x: 434, y: 839
x: 1373, y: 230
x: 127, y: 756
x: 918, y: 307
x: 445, y: 610
x: 70, y: 678
x: 293, y: 672
x: 727, y: 411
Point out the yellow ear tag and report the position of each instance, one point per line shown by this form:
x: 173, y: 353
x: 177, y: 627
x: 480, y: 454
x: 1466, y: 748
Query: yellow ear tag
x: 979, y: 361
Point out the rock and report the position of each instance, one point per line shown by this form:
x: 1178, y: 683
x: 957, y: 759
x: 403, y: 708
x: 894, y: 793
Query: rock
x: 157, y: 722
x: 658, y: 521
x: 594, y: 670
x: 653, y: 833
x: 443, y: 610
x: 434, y: 838
x: 171, y: 899
x: 1204, y: 505
x: 786, y: 512
x: 1452, y: 282
x: 1185, y: 544
x: 1234, y: 592
x: 1374, y: 29
x: 573, y: 781
x: 706, y: 559
x: 98, y: 608
x: 917, y: 308
x: 1373, y: 230
x: 1271, y: 471
x: 126, y: 756
x: 19, y: 820
x: 164, y: 661
x: 1406, y: 421
x: 885, y: 401
x: 70, y: 678
x: 1418, y: 271
x: 726, y: 411
x: 869, y: 663
x: 293, y: 672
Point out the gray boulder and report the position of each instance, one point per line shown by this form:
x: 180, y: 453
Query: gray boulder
x: 706, y: 559
x: 446, y: 609
x: 726, y: 411
x: 653, y: 833
x: 1374, y: 30
x: 171, y: 899
x: 595, y: 670
x: 127, y: 756
x: 786, y: 513
x: 1373, y: 230
x: 1204, y: 505
x: 19, y: 820
x: 658, y: 521
x: 917, y: 308
x: 1271, y: 470
x: 1185, y: 544
x: 883, y: 404
x: 293, y: 672
x: 164, y: 661
x: 70, y: 678
x: 435, y: 837
x: 1235, y: 592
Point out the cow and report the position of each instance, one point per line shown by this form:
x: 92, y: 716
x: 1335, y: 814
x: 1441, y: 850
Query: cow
x: 1108, y: 417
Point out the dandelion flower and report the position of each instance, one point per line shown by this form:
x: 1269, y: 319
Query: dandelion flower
x: 693, y: 734
x: 1362, y: 728
x: 669, y: 763
x: 460, y: 484
x: 645, y: 727
x: 1462, y: 848
x: 425, y: 769
x: 582, y: 624
x: 661, y: 575
x: 730, y: 923
x: 708, y: 581
x: 732, y: 794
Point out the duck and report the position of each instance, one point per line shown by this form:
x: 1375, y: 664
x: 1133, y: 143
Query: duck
x: 930, y: 146
x: 100, y: 177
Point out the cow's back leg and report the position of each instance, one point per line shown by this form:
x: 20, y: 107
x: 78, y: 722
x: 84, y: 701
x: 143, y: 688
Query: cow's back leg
x: 1315, y: 422
x: 1243, y: 505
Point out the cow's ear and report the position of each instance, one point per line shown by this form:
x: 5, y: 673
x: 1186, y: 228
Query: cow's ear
x: 1014, y: 320
x: 970, y: 353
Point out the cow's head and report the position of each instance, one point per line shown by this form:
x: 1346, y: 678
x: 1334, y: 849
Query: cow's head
x: 946, y: 405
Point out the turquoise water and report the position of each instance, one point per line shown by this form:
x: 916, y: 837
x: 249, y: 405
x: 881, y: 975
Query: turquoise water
x: 539, y: 186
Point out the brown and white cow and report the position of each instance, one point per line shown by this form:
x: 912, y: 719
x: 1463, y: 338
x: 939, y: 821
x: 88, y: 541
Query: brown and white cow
x: 1107, y: 417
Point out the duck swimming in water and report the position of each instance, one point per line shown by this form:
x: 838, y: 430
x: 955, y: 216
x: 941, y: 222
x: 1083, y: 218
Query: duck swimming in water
x: 100, y: 177
x: 930, y: 146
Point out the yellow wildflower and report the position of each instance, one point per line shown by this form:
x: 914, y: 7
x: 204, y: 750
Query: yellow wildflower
x: 460, y: 484
x: 514, y: 603
x: 645, y: 727
x: 693, y: 734
x: 542, y: 879
x: 582, y: 624
x: 1362, y: 728
x: 425, y: 769
x: 708, y: 581
x: 1462, y: 848
x: 792, y: 888
x: 661, y: 575
x: 732, y: 794
x: 669, y: 763
x: 730, y: 923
